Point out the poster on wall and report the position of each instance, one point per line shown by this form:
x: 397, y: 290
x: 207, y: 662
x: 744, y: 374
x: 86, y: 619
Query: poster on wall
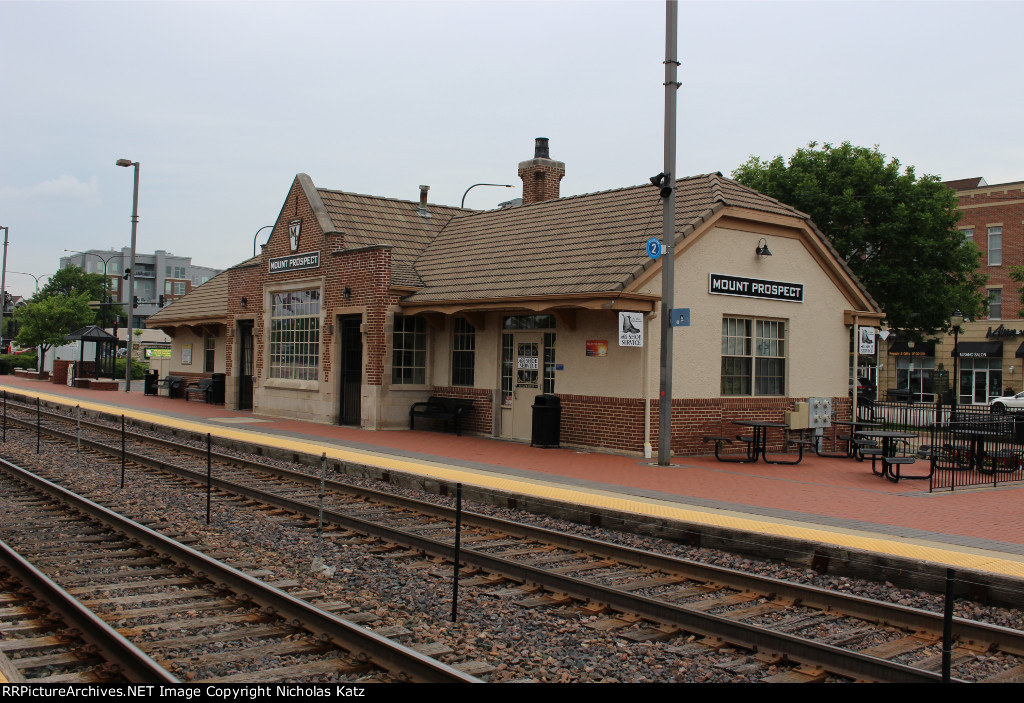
x: 866, y: 340
x: 186, y: 354
x: 597, y: 347
x: 631, y: 329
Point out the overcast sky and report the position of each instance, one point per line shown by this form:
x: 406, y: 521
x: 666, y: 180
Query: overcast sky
x: 223, y: 103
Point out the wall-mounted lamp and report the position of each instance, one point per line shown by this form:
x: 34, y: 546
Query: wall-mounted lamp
x: 762, y: 248
x: 245, y: 301
x: 347, y: 293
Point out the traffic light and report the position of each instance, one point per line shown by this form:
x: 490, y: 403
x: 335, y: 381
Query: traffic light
x: 135, y: 301
x: 161, y: 301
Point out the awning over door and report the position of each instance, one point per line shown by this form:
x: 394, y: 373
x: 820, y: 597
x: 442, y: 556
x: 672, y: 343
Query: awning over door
x: 979, y: 350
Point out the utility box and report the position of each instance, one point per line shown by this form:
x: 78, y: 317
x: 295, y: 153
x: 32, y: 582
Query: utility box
x: 820, y: 414
x: 797, y: 419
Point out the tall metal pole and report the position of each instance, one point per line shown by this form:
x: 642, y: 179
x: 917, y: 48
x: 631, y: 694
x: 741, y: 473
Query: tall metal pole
x: 668, y: 236
x: 131, y: 276
x: 3, y: 290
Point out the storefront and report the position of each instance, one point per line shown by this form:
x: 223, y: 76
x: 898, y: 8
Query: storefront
x: 359, y: 307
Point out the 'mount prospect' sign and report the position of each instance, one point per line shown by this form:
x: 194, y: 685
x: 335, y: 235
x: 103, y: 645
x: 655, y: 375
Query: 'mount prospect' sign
x: 722, y: 284
x: 295, y: 262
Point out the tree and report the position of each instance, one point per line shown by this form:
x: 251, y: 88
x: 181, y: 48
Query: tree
x: 72, y: 281
x: 895, y: 231
x: 46, y: 322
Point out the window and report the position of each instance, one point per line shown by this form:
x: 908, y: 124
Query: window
x: 508, y: 364
x: 753, y: 357
x: 549, y: 362
x: 529, y: 322
x: 295, y: 335
x: 209, y: 353
x: 995, y: 246
x: 463, y: 352
x: 175, y: 272
x: 409, y: 350
x: 179, y: 288
x: 995, y: 303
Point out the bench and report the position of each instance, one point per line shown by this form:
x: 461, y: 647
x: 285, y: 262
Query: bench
x: 446, y: 409
x: 893, y: 464
x: 203, y: 388
x: 170, y: 386
x: 719, y: 441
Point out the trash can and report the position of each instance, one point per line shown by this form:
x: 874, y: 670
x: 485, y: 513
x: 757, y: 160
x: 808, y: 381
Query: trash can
x: 547, y: 421
x: 149, y: 384
x: 217, y: 388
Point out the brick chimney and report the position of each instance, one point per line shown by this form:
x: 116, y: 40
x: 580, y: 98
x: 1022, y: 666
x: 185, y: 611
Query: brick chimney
x: 540, y: 174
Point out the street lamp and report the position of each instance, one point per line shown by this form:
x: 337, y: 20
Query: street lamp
x: 105, y: 260
x: 131, y: 274
x: 257, y: 235
x: 45, y: 275
x: 496, y: 185
x: 956, y: 319
x: 3, y: 284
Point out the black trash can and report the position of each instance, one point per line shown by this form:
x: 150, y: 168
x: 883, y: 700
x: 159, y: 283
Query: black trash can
x: 547, y: 421
x: 149, y: 386
x: 217, y: 388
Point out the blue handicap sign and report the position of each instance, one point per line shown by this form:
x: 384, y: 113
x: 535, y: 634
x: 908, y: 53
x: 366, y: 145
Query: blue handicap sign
x: 654, y: 248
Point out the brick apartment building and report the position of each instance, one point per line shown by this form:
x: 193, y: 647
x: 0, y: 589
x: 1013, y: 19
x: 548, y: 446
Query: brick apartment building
x: 359, y: 306
x: 991, y: 350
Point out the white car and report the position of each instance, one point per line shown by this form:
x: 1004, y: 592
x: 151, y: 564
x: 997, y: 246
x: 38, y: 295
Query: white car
x: 1008, y: 403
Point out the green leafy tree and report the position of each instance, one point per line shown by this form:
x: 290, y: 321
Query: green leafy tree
x: 895, y: 231
x: 45, y: 323
x: 72, y: 281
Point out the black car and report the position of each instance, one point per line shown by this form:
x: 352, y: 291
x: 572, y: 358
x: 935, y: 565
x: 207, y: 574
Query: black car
x: 865, y: 388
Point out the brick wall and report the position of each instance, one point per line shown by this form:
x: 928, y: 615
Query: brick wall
x: 481, y: 420
x: 986, y: 206
x: 618, y: 423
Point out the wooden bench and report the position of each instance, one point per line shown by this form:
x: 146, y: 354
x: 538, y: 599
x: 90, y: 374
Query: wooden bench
x: 203, y: 388
x: 446, y: 409
x: 173, y: 386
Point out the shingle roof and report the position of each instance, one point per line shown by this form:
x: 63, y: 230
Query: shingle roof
x: 581, y: 244
x: 208, y: 302
x: 367, y: 220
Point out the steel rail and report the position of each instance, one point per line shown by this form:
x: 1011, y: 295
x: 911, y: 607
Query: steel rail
x: 130, y: 661
x: 1005, y: 639
x: 401, y: 661
x: 834, y: 659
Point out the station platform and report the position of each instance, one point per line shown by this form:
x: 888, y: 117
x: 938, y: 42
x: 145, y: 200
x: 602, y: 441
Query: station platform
x: 836, y: 502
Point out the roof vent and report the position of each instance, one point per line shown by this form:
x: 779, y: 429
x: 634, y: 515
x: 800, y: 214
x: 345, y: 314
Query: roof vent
x: 422, y: 209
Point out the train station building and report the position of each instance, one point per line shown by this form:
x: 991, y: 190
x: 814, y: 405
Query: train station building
x: 360, y: 306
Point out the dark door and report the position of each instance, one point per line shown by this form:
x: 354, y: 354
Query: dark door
x: 351, y: 369
x: 246, y: 365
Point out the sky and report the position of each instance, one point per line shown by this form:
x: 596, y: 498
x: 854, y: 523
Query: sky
x: 222, y: 103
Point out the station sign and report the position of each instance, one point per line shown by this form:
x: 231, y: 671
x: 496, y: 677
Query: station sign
x: 295, y: 262
x: 724, y: 284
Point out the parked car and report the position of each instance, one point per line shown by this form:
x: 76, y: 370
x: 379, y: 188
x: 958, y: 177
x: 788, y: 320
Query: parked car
x: 899, y: 395
x: 865, y: 388
x: 1008, y: 403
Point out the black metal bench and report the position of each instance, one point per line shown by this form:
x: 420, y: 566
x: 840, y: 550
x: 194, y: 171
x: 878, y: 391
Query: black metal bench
x: 446, y: 409
x: 203, y: 388
x: 172, y: 384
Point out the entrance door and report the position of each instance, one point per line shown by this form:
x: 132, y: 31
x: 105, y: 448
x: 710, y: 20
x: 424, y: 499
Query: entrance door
x: 246, y: 364
x: 350, y: 369
x: 526, y: 381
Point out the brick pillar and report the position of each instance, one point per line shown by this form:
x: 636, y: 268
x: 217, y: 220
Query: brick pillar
x: 541, y: 175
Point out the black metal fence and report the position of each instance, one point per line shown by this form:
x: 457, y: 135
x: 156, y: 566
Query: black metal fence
x: 964, y: 445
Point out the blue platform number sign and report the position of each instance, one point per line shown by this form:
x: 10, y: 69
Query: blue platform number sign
x: 680, y: 317
x: 654, y: 249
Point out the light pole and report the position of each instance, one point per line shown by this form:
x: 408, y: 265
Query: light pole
x: 106, y: 260
x: 496, y: 185
x: 45, y: 275
x: 131, y: 275
x: 957, y: 319
x: 3, y: 284
x: 257, y: 235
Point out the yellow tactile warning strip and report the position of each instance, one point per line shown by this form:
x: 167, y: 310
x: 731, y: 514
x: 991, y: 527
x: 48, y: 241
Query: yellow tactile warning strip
x: 949, y: 555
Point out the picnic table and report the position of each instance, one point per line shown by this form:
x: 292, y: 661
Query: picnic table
x: 757, y: 443
x: 890, y: 457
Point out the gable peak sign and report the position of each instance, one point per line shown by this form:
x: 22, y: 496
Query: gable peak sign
x: 294, y: 228
x: 724, y: 284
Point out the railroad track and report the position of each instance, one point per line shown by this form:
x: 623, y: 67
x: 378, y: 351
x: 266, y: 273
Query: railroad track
x: 822, y: 631
x: 172, y: 601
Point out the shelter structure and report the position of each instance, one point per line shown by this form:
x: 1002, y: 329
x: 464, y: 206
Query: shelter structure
x: 360, y: 306
x: 103, y: 352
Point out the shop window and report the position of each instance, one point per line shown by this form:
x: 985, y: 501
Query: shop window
x: 753, y: 357
x: 295, y: 335
x: 995, y: 246
x: 463, y: 352
x: 409, y: 350
x: 209, y: 353
x: 995, y: 304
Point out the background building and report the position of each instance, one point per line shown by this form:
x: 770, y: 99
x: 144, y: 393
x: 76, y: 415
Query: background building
x: 160, y: 273
x: 990, y: 350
